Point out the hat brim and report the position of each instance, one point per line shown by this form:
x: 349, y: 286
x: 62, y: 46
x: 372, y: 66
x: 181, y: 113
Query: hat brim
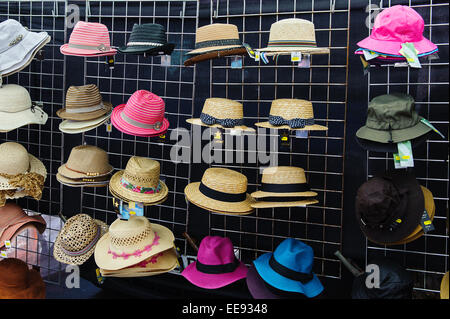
x: 62, y: 113
x: 262, y: 194
x: 197, y: 121
x: 214, y: 54
x: 69, y: 174
x: 314, y: 127
x: 310, y: 289
x: 36, y: 166
x: 402, y: 135
x: 148, y: 50
x: 35, y: 290
x: 389, y: 147
x: 66, y: 50
x: 12, y: 121
x: 393, y: 47
x: 34, y: 221
x: 299, y: 203
x: 106, y: 261
x: 444, y: 286
x: 194, y: 196
x: 75, y: 127
x: 127, y: 128
x: 117, y: 188
x: 99, y: 182
x: 288, y: 50
x: 213, y: 281
x: 60, y: 256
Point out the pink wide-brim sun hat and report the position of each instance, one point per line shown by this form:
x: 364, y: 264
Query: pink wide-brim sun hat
x: 394, y: 26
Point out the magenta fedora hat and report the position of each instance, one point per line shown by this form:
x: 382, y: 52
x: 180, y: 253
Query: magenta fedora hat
x: 216, y: 265
x: 88, y: 39
x: 394, y: 26
x: 142, y: 115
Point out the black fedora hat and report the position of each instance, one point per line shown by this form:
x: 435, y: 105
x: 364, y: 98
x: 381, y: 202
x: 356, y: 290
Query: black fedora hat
x: 148, y: 38
x: 389, y: 206
x: 389, y: 147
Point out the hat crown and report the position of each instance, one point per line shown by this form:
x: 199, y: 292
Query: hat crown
x: 216, y: 250
x: 90, y: 33
x: 295, y: 255
x: 14, y: 274
x: 398, y: 23
x: 145, y: 107
x: 148, y: 32
x: 14, y: 159
x: 225, y: 180
x: 223, y: 108
x: 78, y: 232
x: 88, y: 158
x: 11, y: 33
x: 216, y: 31
x: 83, y: 96
x: 391, y: 111
x: 283, y: 175
x: 292, y: 108
x: 14, y: 98
x: 142, y: 171
x: 293, y: 29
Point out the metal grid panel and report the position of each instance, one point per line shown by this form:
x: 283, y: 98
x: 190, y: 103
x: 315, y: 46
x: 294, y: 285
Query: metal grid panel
x: 45, y: 82
x: 426, y: 257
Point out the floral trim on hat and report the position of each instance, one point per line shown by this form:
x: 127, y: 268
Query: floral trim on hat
x: 151, y: 260
x: 140, y: 189
x: 138, y: 252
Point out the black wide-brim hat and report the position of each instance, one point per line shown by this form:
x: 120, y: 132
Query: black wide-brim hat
x: 389, y: 147
x: 412, y: 213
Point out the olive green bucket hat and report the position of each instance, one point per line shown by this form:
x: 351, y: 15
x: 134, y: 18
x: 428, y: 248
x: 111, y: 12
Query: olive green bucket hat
x: 391, y: 118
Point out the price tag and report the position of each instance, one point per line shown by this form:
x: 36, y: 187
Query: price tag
x: 426, y: 222
x: 236, y: 63
x: 257, y: 56
x: 285, y: 140
x: 7, y: 244
x: 397, y: 161
x: 369, y: 55
x: 425, y: 121
x: 99, y: 276
x: 108, y: 127
x: 235, y: 132
x: 166, y: 60
x: 305, y: 62
x: 296, y: 56
x: 250, y: 51
x: 301, y: 134
x: 366, y: 65
x: 131, y: 209
x: 3, y: 254
x: 110, y: 61
x: 410, y: 53
x: 405, y: 154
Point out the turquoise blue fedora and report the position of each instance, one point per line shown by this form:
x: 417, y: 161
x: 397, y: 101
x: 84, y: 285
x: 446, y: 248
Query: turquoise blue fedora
x: 289, y: 268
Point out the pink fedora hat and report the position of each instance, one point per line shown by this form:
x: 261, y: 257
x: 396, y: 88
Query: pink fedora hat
x: 142, y: 115
x: 394, y: 26
x: 88, y: 39
x: 216, y: 264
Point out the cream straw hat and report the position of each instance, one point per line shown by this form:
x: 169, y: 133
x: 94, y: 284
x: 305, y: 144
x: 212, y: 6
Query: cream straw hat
x: 76, y: 127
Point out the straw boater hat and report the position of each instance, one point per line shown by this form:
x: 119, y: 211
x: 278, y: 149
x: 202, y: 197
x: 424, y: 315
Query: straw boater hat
x: 128, y: 242
x: 214, y: 41
x: 140, y: 181
x: 76, y: 241
x: 84, y: 103
x: 17, y: 109
x: 221, y: 190
x: 222, y: 113
x: 293, y: 35
x: 283, y: 186
x: 292, y: 114
x: 76, y: 127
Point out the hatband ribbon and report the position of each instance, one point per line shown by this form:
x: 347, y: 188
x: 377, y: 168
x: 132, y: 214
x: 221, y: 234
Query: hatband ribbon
x: 211, y: 120
x: 140, y: 189
x: 217, y: 269
x: 284, y: 188
x: 100, y: 47
x: 89, y: 109
x: 293, y: 123
x: 156, y: 126
x: 293, y: 43
x: 217, y: 43
x: 221, y: 196
x: 289, y: 273
x: 86, y: 248
x: 129, y: 44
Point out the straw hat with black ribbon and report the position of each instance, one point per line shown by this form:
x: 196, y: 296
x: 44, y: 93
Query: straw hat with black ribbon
x: 221, y: 190
x: 283, y: 186
x: 214, y: 41
x: 292, y: 114
x: 222, y: 113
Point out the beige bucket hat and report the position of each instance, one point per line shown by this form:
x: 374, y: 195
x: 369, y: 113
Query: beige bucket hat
x: 139, y: 182
x: 76, y: 241
x: 128, y: 242
x: 293, y: 35
x: 221, y: 190
x: 291, y: 114
x: 84, y: 103
x: 76, y: 127
x: 17, y: 109
x: 222, y: 113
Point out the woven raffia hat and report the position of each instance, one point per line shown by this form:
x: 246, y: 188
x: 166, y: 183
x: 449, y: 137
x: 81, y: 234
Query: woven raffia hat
x: 283, y: 186
x: 222, y: 113
x: 214, y: 41
x: 84, y: 103
x: 293, y: 35
x: 76, y: 127
x: 17, y: 109
x: 140, y: 181
x: 129, y: 242
x: 221, y: 190
x: 292, y: 114
x: 76, y: 241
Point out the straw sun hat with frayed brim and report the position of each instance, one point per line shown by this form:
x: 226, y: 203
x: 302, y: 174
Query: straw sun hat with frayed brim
x: 139, y: 182
x: 283, y: 186
x: 222, y: 113
x: 293, y: 35
x: 214, y: 41
x: 292, y: 114
x: 128, y: 242
x: 221, y: 190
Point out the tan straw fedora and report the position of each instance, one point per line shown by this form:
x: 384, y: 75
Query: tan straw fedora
x: 221, y: 190
x: 214, y: 41
x: 283, y: 186
x: 291, y: 114
x: 222, y: 113
x: 139, y: 182
x: 293, y: 35
x: 84, y: 103
x: 129, y: 242
x: 76, y: 241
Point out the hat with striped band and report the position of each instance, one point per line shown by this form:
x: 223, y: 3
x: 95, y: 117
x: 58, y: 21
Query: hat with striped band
x: 148, y: 38
x: 84, y: 103
x: 76, y: 241
x: 292, y: 114
x: 142, y: 115
x: 88, y: 39
x: 293, y: 35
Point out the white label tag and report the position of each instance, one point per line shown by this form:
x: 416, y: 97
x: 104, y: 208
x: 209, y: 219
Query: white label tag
x: 109, y: 127
x: 405, y: 154
x: 235, y: 132
x: 301, y: 134
x: 257, y: 55
x: 7, y: 244
x: 165, y: 60
x: 296, y: 56
x: 3, y: 254
x: 236, y: 63
x: 369, y: 55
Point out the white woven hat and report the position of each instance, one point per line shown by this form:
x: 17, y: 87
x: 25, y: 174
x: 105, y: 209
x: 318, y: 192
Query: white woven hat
x: 75, y: 127
x: 18, y: 46
x: 16, y: 108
